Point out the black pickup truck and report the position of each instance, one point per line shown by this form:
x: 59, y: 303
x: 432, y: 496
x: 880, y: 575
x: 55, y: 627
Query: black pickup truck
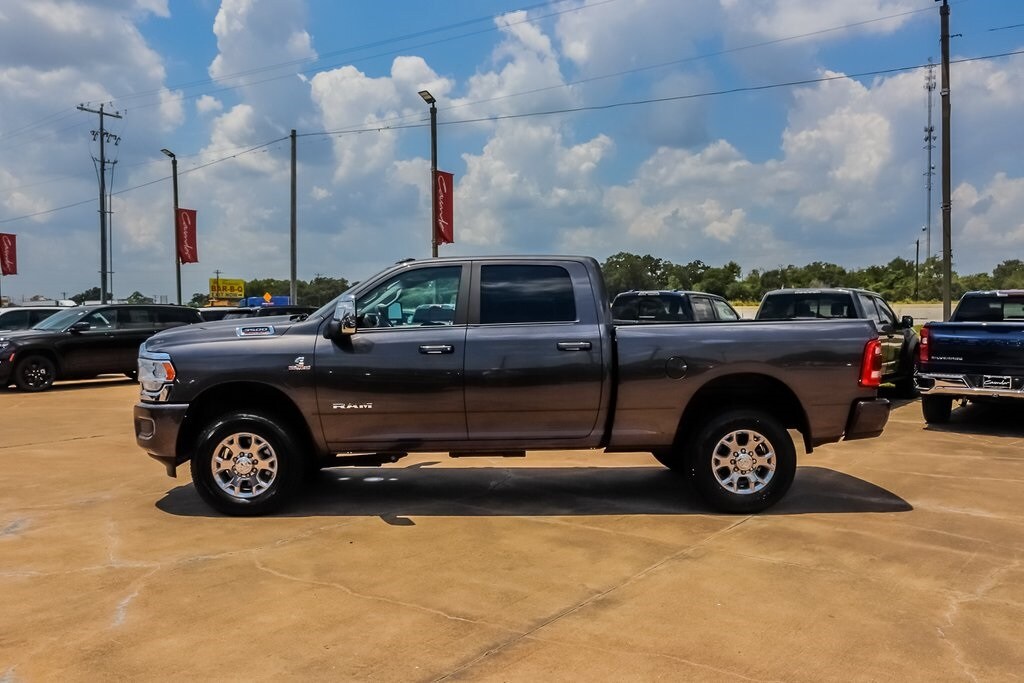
x: 978, y: 355
x: 496, y: 356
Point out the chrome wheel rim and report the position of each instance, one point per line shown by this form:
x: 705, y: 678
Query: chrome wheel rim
x: 743, y: 462
x: 244, y: 465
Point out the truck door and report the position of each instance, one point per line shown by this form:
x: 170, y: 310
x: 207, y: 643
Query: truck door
x: 398, y: 380
x: 534, y: 352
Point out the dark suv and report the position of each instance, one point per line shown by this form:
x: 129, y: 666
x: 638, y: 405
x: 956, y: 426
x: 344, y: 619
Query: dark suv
x: 670, y: 306
x: 84, y: 341
x: 899, y: 339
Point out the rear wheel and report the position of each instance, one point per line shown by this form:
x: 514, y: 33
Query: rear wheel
x: 35, y: 373
x: 245, y: 464
x: 742, y: 461
x: 936, y: 409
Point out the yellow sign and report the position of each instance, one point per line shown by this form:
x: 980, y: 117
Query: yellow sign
x: 267, y: 297
x: 225, y: 288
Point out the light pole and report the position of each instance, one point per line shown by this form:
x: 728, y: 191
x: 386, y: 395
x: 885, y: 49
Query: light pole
x: 177, y: 252
x: 429, y: 99
x: 917, y: 268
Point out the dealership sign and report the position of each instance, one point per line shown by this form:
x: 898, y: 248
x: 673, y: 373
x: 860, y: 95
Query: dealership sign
x: 188, y: 252
x: 8, y: 254
x: 444, y: 228
x: 226, y: 288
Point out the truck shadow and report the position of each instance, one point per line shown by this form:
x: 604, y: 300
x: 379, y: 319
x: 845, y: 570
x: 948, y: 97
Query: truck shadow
x: 1005, y: 418
x: 394, y: 493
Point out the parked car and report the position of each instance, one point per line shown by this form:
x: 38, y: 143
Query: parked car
x: 24, y: 317
x: 670, y: 306
x: 899, y: 339
x: 499, y: 356
x: 264, y: 311
x: 84, y: 341
x: 978, y: 355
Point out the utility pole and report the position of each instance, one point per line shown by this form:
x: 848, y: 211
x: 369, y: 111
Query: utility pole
x: 947, y: 194
x: 917, y: 268
x: 293, y: 290
x: 929, y: 144
x: 103, y: 136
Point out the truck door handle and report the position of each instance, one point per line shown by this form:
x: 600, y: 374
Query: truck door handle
x: 574, y: 346
x: 436, y: 349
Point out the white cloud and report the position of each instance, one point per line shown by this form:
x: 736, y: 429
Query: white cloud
x: 319, y: 194
x: 206, y: 104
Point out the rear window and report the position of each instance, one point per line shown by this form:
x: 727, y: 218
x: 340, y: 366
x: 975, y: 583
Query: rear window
x: 789, y: 305
x: 981, y: 309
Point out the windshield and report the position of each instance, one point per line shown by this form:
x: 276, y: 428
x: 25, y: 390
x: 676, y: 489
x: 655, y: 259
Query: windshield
x: 62, y: 320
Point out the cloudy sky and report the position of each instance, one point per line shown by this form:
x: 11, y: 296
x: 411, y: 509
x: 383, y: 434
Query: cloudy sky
x: 767, y: 132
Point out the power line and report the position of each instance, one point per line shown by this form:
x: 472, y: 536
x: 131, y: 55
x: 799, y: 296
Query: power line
x: 613, y: 105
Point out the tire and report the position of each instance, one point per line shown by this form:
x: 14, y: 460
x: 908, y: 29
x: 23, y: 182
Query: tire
x: 904, y: 386
x: 35, y: 373
x: 742, y: 461
x: 936, y: 409
x: 245, y: 464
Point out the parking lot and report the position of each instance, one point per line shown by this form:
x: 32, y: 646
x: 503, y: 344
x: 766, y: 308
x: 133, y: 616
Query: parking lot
x: 897, y: 558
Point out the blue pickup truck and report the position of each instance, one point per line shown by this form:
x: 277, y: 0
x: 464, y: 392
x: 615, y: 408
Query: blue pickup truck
x: 978, y: 355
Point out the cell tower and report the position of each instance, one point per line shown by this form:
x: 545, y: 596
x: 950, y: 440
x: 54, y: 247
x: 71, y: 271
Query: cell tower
x: 929, y: 145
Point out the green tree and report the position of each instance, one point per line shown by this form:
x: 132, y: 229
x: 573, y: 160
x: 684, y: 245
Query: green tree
x: 91, y: 294
x: 625, y: 271
x: 138, y: 297
x: 718, y: 280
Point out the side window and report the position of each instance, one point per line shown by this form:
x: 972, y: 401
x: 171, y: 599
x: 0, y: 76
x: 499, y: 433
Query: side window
x: 870, y: 312
x: 417, y: 297
x: 526, y: 294
x: 724, y: 310
x: 885, y: 314
x: 14, y: 320
x: 39, y: 316
x: 101, y: 320
x: 136, y: 318
x: 173, y: 317
x: 703, y: 311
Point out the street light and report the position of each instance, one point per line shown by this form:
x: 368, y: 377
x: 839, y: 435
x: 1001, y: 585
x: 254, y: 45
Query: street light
x: 429, y: 99
x: 174, y: 180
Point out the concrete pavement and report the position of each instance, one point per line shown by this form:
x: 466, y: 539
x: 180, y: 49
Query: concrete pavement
x: 898, y: 558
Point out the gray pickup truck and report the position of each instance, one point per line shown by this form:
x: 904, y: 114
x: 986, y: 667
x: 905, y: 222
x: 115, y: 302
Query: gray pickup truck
x: 497, y: 356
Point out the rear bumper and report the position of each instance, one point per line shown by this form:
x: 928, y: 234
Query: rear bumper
x: 969, y: 386
x: 156, y: 431
x: 867, y: 418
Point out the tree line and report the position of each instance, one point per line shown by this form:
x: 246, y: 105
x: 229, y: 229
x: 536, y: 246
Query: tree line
x: 898, y: 280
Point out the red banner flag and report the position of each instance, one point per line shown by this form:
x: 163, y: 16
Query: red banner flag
x: 444, y: 226
x: 8, y: 254
x: 188, y: 252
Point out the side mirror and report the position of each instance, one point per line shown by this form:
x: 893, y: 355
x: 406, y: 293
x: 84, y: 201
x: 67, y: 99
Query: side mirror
x: 907, y: 321
x: 343, y: 322
x: 80, y: 326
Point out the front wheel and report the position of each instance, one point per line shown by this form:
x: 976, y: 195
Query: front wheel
x: 742, y: 461
x: 245, y: 464
x: 35, y: 373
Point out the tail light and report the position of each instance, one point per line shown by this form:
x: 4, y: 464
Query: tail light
x: 923, y: 350
x: 871, y: 364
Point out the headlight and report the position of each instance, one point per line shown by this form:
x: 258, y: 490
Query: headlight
x: 4, y: 345
x: 156, y: 371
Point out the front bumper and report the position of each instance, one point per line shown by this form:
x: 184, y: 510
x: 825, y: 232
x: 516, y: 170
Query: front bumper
x: 969, y: 386
x: 867, y: 418
x: 156, y: 430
